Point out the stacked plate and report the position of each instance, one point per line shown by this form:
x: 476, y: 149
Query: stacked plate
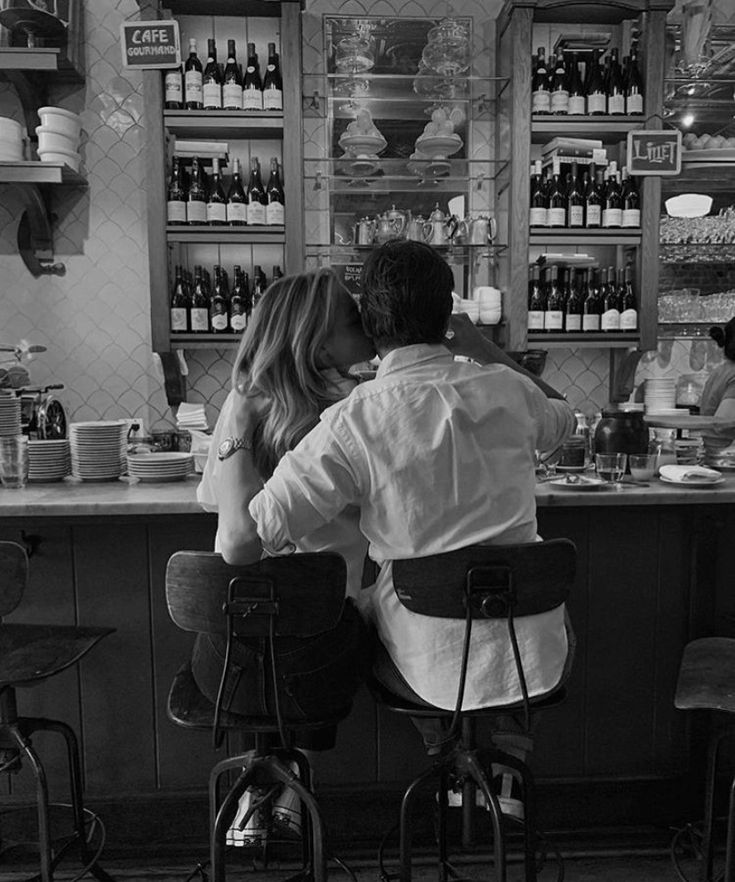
x: 160, y: 467
x: 719, y: 457
x: 660, y: 395
x: 9, y: 415
x: 97, y: 449
x: 48, y: 460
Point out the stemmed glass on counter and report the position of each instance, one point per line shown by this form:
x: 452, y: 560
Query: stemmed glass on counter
x: 611, y: 467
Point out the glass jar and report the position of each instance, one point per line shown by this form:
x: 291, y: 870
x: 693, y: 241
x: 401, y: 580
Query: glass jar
x: 621, y: 432
x: 689, y: 389
x: 663, y: 444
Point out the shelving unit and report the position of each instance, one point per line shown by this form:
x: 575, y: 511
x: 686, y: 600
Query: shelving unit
x: 33, y: 73
x: 168, y: 242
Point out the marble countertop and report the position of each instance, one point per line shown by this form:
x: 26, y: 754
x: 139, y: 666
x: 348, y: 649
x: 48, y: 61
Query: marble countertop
x: 74, y: 498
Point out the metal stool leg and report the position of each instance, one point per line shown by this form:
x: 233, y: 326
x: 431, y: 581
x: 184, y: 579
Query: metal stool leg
x: 713, y: 754
x: 480, y: 778
x: 223, y: 819
x: 528, y: 788
x: 730, y: 842
x: 406, y: 822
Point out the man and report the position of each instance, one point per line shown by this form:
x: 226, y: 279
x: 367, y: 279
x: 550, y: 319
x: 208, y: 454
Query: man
x: 438, y: 454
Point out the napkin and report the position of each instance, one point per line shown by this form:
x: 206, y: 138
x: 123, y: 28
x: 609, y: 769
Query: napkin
x: 684, y: 473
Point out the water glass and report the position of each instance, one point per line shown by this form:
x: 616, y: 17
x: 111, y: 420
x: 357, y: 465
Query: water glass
x: 611, y: 467
x: 643, y: 465
x: 14, y: 461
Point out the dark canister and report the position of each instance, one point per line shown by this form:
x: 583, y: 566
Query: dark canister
x: 621, y: 431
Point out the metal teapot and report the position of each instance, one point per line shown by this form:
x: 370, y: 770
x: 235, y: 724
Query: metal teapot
x: 365, y: 231
x: 480, y: 230
x: 399, y: 219
x: 386, y: 228
x: 415, y: 229
x: 439, y: 229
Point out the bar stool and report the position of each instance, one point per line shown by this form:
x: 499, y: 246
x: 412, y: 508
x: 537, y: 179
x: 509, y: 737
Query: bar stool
x: 29, y: 654
x: 296, y: 596
x: 478, y: 582
x: 707, y: 682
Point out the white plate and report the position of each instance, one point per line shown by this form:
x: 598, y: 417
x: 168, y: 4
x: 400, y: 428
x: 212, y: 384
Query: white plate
x: 590, y: 484
x: 158, y: 479
x: 698, y: 484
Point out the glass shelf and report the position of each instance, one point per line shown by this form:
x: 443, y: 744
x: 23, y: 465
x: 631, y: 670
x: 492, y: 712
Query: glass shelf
x: 341, y: 175
x: 697, y: 252
x: 356, y: 253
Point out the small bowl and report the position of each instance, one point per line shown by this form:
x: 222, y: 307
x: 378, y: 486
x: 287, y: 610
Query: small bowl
x: 51, y: 139
x: 65, y: 157
x: 63, y: 121
x: 11, y: 130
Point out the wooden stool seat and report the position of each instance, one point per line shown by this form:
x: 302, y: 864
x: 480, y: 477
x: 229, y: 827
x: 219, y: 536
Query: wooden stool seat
x: 29, y: 653
x: 707, y: 675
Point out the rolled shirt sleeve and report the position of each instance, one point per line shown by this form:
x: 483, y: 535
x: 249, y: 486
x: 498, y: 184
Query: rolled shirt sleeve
x: 555, y: 420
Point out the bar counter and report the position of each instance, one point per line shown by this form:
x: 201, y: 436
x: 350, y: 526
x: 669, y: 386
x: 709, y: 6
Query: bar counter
x: 654, y: 570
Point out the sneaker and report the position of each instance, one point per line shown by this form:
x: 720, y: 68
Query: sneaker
x: 287, y: 814
x: 253, y: 833
x: 507, y: 789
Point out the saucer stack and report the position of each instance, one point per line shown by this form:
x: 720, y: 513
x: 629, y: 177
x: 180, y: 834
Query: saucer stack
x: 97, y: 449
x: 48, y: 461
x: 660, y: 396
x: 160, y: 467
x: 9, y: 415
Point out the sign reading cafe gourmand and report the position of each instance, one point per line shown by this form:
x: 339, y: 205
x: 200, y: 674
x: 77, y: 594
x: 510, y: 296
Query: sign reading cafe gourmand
x: 654, y: 152
x: 150, y: 44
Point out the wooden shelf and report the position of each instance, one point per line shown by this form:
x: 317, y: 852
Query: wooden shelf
x: 583, y: 237
x: 29, y: 61
x: 205, y: 341
x: 227, y: 235
x: 39, y: 173
x: 231, y: 124
x: 580, y: 340
x: 239, y: 8
x: 605, y: 128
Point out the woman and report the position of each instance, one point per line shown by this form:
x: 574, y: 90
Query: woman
x: 292, y: 363
x: 718, y: 396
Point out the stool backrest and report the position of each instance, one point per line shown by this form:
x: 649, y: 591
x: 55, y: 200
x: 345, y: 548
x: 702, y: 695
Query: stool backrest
x: 303, y: 593
x: 13, y: 576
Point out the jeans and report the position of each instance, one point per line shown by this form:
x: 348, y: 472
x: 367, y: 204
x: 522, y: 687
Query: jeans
x: 318, y: 676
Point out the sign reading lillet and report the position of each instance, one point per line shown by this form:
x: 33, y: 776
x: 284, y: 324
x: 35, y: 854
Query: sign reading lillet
x: 654, y: 152
x: 148, y: 45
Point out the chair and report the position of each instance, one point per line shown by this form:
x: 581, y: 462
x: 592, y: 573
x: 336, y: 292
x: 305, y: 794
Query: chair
x: 299, y: 595
x: 481, y: 581
x: 707, y: 682
x: 29, y: 654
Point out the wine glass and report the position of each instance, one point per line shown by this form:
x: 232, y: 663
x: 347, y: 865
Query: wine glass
x: 611, y: 467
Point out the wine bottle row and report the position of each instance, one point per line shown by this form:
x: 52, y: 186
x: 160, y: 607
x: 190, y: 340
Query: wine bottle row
x: 196, y: 198
x: 208, y: 305
x: 560, y: 88
x: 596, y: 199
x: 562, y: 300
x: 214, y: 87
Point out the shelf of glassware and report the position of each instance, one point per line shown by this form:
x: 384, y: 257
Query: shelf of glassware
x: 454, y: 252
x: 396, y: 96
x: 605, y: 128
x: 370, y: 174
x: 697, y: 252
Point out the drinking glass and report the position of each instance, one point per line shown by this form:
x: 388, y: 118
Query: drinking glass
x: 611, y: 467
x: 14, y: 461
x: 643, y: 466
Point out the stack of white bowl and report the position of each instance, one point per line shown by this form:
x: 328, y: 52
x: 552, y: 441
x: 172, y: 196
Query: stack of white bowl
x: 58, y: 136
x: 97, y: 449
x: 48, y: 461
x: 659, y: 396
x: 491, y: 304
x: 11, y: 140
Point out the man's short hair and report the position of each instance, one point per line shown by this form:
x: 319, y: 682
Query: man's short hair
x: 406, y: 294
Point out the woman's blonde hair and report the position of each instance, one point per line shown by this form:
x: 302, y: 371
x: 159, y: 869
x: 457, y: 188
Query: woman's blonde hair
x: 278, y: 358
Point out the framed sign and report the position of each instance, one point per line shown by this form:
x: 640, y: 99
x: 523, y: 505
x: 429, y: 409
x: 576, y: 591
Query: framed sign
x: 654, y: 152
x: 150, y: 44
x: 349, y: 275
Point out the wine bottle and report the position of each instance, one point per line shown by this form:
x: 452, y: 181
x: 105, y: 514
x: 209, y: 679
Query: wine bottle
x: 539, y: 213
x: 217, y: 202
x: 574, y: 305
x: 196, y: 198
x: 557, y: 213
x: 536, y: 302
x: 595, y: 87
x: 560, y: 87
x: 232, y: 81
x: 633, y: 84
x: 554, y: 312
x: 576, y: 88
x: 612, y: 208
x: 239, y: 301
x: 260, y: 283
x: 193, y: 78
x: 173, y: 85
x: 179, y: 304
x: 176, y: 195
x: 593, y: 198
x: 274, y: 211
x: 199, y: 306
x: 628, y: 307
x: 610, y: 319
x: 575, y: 201
x: 277, y: 272
x: 212, y: 80
x: 237, y: 201
x: 256, y: 195
x: 592, y: 305
x: 272, y: 82
x: 219, y: 306
x: 540, y: 97
x: 614, y: 87
x: 252, y: 87
x: 631, y: 201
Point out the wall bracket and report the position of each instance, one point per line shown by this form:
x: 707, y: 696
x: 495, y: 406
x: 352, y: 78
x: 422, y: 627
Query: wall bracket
x: 35, y: 239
